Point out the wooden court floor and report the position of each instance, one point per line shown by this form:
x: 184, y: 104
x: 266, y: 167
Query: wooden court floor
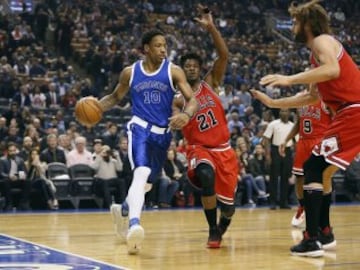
x: 175, y: 239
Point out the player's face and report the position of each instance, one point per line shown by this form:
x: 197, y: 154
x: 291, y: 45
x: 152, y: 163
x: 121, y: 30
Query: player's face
x: 192, y: 70
x: 157, y: 49
x: 299, y: 31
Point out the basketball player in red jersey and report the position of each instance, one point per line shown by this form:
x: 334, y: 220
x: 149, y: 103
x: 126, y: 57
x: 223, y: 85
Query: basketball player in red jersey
x: 338, y: 81
x: 212, y: 164
x: 311, y: 124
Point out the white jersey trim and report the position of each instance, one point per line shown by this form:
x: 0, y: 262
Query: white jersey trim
x: 132, y: 74
x: 151, y: 74
x: 170, y: 77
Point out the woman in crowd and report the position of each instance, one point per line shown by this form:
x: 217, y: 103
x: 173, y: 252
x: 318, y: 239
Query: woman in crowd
x: 37, y: 175
x: 175, y: 170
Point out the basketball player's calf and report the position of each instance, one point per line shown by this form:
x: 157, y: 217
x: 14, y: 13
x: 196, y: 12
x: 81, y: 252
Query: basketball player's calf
x: 326, y: 236
x: 299, y: 217
x: 317, y: 205
x: 205, y: 174
x: 227, y: 211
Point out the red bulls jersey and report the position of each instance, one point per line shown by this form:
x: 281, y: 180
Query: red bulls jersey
x: 313, y: 121
x: 208, y: 127
x: 344, y: 90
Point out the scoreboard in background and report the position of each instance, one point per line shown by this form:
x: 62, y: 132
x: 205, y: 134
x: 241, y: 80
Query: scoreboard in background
x: 17, y: 5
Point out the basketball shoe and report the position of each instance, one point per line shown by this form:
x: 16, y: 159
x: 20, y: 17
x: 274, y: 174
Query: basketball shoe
x: 120, y: 214
x: 134, y: 238
x: 299, y: 218
x: 327, y: 239
x: 308, y: 247
x: 214, y: 240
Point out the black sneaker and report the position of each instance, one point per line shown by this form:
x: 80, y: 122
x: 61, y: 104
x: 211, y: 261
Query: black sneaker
x: 327, y: 240
x: 308, y: 247
x: 214, y: 240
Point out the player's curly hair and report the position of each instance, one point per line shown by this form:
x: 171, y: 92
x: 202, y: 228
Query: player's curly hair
x: 311, y: 13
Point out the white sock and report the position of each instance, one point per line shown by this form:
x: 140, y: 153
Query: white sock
x: 136, y: 194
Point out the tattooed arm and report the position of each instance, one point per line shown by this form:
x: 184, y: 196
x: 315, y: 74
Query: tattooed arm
x: 109, y: 101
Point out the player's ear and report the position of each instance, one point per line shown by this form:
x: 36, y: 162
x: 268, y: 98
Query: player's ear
x: 146, y: 48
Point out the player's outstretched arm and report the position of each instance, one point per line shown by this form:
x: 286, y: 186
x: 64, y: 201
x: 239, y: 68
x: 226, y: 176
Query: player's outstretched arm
x: 109, y: 101
x: 216, y: 74
x: 296, y: 101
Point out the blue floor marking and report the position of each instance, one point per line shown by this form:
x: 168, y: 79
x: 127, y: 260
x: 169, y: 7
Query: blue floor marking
x: 19, y: 254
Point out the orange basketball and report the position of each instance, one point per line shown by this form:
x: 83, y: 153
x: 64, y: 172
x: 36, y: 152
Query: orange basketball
x: 88, y: 111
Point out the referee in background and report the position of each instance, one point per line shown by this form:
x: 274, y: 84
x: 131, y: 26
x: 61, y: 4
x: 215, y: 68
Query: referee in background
x: 280, y: 166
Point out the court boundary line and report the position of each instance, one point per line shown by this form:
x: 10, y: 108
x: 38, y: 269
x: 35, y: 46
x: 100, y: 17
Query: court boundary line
x: 65, y: 252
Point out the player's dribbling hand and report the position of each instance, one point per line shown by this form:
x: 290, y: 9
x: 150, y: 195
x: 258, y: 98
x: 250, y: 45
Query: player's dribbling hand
x: 205, y: 19
x: 275, y: 80
x: 178, y: 121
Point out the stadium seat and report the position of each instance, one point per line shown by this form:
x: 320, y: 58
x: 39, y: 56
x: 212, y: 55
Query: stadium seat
x: 58, y: 173
x: 83, y: 185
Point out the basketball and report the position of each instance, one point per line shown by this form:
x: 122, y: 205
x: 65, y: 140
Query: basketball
x: 88, y: 111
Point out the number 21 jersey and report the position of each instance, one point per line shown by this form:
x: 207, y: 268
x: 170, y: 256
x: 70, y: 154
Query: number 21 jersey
x: 208, y: 127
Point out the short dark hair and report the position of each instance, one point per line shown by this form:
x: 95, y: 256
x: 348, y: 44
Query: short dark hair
x: 10, y: 144
x: 149, y: 35
x: 192, y: 56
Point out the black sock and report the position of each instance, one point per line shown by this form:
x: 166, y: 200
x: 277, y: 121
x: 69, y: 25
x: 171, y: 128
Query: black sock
x: 325, y: 212
x: 312, y: 203
x: 211, y: 217
x: 301, y: 202
x: 224, y: 222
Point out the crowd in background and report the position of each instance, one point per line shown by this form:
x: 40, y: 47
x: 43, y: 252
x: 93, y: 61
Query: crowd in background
x: 64, y: 50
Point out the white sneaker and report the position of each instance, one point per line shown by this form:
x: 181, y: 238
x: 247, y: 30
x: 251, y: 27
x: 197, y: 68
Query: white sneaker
x: 120, y: 221
x: 299, y: 218
x: 134, y: 238
x: 263, y: 194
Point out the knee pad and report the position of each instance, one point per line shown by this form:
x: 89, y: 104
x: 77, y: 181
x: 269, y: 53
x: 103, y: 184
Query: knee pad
x: 227, y: 210
x: 314, y: 168
x: 205, y: 174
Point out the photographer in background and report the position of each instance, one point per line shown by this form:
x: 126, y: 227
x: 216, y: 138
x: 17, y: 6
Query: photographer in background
x: 107, y: 165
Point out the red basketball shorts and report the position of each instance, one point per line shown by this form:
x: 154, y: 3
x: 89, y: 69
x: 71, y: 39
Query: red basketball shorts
x: 224, y: 162
x: 341, y: 142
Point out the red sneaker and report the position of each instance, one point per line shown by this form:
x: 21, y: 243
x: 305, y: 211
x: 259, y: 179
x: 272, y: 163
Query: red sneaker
x: 214, y: 240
